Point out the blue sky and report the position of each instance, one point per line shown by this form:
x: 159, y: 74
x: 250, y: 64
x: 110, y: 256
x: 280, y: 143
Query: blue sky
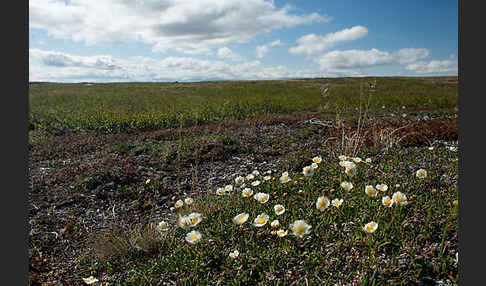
x: 168, y: 40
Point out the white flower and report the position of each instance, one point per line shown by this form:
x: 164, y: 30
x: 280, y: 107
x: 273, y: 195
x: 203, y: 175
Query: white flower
x: 281, y: 233
x: 350, y: 171
x: 431, y: 148
x: 163, y: 226
x: 285, y: 174
x: 255, y: 183
x: 256, y: 173
x: 452, y: 148
x: 220, y: 191
x: 370, y: 191
x: 188, y: 201
x: 337, y: 202
x: 370, y: 227
x: 147, y: 182
x: 346, y: 185
x: 261, y: 197
x: 228, y: 188
x: 300, y: 228
x: 343, y: 163
x: 184, y: 222
x: 421, y: 173
x: 314, y: 165
x: 382, y: 187
x: 239, y: 180
x: 368, y: 160
x: 179, y: 204
x: 195, y: 218
x: 250, y: 177
x: 269, y: 172
x: 308, y: 171
x: 261, y: 220
x: 267, y: 178
x: 193, y: 237
x: 285, y: 179
x: 90, y: 280
x: 400, y: 198
x: 342, y: 157
x: 246, y: 192
x: 357, y: 159
x: 349, y: 164
x: 386, y: 201
x: 317, y: 159
x: 241, y: 218
x: 234, y: 254
x: 322, y: 203
x: 279, y: 209
x: 275, y: 223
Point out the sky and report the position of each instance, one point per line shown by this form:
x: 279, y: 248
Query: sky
x: 199, y: 40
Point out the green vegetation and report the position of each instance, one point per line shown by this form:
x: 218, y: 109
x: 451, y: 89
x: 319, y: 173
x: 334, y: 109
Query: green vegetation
x: 113, y: 107
x: 195, y: 148
x: 337, y: 249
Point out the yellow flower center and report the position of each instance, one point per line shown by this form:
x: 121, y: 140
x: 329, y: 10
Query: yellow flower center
x: 299, y: 229
x: 194, y: 220
x: 193, y: 237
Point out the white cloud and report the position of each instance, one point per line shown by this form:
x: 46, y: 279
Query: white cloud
x: 445, y: 66
x: 351, y: 59
x: 57, y: 59
x: 312, y: 43
x: 227, y: 53
x: 73, y: 68
x: 405, y: 56
x: 192, y: 27
x: 260, y: 51
x: 357, y: 59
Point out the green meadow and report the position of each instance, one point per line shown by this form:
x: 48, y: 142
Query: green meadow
x: 122, y: 107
